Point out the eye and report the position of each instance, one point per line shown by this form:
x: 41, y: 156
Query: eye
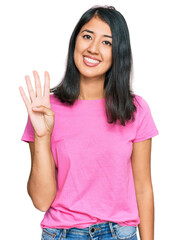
x: 108, y: 43
x: 86, y: 36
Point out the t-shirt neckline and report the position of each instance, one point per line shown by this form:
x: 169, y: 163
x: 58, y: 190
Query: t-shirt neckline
x: 92, y: 100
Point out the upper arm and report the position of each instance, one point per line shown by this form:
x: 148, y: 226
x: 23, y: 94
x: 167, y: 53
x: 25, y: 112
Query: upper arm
x: 31, y: 146
x: 141, y: 165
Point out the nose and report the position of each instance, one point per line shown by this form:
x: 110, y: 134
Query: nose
x: 93, y: 47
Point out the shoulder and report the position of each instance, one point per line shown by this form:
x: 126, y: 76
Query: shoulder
x: 141, y: 103
x: 54, y: 100
x: 58, y: 106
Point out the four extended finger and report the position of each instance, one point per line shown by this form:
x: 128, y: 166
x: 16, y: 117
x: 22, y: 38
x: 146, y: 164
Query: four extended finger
x: 30, y: 88
x: 46, y: 93
x: 25, y: 99
x: 38, y: 91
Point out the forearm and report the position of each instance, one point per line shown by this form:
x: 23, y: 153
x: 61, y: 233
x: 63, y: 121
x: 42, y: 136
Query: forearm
x: 42, y: 182
x: 145, y: 202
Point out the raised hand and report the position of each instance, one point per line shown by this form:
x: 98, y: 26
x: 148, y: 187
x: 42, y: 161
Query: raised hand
x: 39, y: 110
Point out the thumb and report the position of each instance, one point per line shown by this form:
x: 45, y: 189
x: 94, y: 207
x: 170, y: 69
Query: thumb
x: 43, y: 109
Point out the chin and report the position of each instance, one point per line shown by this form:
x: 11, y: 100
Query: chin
x: 90, y: 75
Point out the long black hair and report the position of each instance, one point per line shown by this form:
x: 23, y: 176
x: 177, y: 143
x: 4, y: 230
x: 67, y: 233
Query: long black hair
x: 119, y: 96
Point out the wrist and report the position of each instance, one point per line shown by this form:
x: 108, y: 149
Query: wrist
x: 45, y: 138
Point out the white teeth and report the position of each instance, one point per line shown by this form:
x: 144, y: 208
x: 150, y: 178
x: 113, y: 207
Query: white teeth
x: 91, y: 60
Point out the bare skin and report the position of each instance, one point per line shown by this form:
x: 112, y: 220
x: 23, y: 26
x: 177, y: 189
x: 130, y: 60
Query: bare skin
x: 42, y: 117
x: 42, y: 182
x: 141, y: 166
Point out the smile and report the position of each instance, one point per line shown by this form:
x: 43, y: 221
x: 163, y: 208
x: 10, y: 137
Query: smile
x: 90, y: 62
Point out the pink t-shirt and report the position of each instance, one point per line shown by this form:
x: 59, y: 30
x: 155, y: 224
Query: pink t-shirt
x: 93, y: 164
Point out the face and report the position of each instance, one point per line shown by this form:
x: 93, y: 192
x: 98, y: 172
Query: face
x: 93, y: 49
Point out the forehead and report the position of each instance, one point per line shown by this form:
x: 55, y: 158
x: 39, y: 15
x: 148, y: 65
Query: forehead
x: 98, y: 26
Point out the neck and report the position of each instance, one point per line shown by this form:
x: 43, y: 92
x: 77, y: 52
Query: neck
x: 91, y: 88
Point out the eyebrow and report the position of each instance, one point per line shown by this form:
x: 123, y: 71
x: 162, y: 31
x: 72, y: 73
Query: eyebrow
x: 93, y: 32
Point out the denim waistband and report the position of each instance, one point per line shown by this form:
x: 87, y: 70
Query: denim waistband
x: 94, y: 229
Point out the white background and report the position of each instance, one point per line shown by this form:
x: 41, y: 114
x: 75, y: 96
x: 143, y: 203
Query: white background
x: 35, y: 36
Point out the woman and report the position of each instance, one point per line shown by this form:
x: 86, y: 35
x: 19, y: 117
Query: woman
x: 90, y: 140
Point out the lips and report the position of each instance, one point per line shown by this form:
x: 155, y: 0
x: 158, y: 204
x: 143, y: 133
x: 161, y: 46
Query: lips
x: 90, y: 62
x: 92, y: 58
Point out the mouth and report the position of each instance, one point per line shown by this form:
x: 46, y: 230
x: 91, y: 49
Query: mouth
x: 90, y: 62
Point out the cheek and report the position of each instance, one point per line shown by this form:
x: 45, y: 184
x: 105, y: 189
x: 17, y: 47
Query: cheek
x: 80, y: 46
x: 77, y: 46
x: 106, y: 52
x: 76, y: 52
x: 109, y: 57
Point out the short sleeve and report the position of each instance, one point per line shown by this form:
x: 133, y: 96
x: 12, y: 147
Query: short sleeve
x: 146, y: 127
x: 28, y: 134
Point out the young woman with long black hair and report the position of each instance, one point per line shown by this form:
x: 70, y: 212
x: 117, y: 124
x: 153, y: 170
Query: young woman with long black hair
x: 90, y: 140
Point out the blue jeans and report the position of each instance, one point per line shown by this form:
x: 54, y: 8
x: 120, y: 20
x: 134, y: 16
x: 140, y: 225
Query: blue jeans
x: 100, y: 231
